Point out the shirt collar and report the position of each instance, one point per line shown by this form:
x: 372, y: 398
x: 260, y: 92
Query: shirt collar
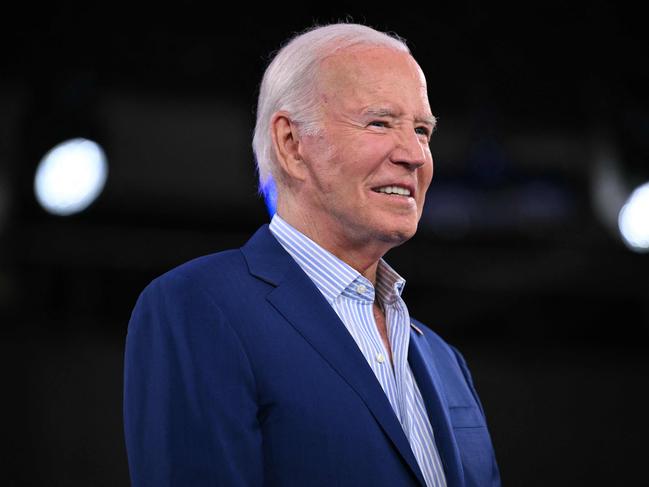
x: 332, y: 276
x: 389, y: 284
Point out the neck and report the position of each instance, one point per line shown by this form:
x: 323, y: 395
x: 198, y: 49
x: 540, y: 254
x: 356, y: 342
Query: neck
x: 363, y: 256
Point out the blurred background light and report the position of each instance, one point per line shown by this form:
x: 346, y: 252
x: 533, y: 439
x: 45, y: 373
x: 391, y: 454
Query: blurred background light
x: 70, y: 176
x: 634, y: 219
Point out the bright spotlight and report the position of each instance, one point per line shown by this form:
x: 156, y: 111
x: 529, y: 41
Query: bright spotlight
x: 633, y: 220
x: 70, y: 177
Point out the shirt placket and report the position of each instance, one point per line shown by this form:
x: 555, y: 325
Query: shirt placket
x: 378, y: 356
x: 399, y: 342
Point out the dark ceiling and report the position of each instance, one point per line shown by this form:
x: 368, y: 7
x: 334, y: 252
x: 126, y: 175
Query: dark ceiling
x: 532, y: 63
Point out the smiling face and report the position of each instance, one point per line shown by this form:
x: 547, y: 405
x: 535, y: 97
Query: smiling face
x: 369, y: 168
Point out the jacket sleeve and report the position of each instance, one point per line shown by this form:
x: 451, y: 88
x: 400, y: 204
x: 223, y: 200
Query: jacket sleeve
x: 495, y: 481
x: 190, y: 408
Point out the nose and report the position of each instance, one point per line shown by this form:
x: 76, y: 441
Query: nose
x: 411, y: 149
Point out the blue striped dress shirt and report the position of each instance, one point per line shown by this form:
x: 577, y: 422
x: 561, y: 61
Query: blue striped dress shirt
x: 352, y: 296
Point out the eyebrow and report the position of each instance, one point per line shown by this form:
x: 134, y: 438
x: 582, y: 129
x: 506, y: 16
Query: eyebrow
x: 389, y: 113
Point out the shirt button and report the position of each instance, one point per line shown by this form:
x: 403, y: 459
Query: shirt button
x: 380, y: 358
x: 360, y: 289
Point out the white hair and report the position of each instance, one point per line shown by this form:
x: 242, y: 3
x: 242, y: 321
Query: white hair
x: 289, y: 85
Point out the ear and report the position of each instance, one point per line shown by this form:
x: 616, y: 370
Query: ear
x: 286, y: 143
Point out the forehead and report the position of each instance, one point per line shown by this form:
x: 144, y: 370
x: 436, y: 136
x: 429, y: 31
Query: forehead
x: 366, y: 75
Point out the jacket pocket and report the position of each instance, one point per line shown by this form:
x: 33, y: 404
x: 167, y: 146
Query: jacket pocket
x: 466, y: 417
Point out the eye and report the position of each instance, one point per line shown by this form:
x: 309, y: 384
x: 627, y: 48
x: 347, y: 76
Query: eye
x: 378, y: 123
x: 422, y: 131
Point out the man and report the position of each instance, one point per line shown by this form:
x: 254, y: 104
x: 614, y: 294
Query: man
x: 293, y: 361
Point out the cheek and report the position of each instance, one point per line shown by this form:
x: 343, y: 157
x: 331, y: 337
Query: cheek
x: 425, y: 179
x: 426, y: 175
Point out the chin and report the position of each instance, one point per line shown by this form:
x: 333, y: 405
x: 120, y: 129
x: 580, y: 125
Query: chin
x: 397, y: 236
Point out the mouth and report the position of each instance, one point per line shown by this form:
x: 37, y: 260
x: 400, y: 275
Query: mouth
x: 397, y: 190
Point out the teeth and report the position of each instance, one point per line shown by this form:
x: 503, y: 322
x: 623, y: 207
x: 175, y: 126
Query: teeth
x: 394, y: 190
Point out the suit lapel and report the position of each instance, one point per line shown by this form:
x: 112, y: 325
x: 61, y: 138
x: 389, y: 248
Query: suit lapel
x: 301, y: 303
x: 430, y: 385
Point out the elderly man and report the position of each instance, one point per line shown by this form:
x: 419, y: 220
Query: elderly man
x: 293, y: 361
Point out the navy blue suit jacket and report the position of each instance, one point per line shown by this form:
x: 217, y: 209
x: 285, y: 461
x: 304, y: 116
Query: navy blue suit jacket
x: 239, y: 373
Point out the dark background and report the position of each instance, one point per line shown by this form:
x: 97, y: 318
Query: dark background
x: 543, y: 130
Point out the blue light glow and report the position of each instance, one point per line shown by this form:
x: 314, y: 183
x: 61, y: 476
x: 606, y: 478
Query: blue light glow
x: 270, y: 197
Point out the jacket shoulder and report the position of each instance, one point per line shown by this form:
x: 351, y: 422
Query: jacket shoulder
x: 211, y: 274
x: 207, y: 267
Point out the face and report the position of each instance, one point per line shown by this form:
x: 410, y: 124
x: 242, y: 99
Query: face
x: 370, y: 167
